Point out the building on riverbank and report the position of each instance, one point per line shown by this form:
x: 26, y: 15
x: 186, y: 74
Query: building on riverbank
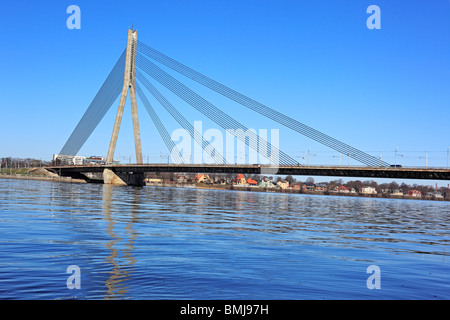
x: 369, y: 190
x: 415, y: 193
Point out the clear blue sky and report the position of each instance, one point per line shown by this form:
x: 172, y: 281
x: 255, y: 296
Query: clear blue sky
x: 317, y: 61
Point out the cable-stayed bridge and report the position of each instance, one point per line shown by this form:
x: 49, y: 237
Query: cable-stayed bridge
x: 136, y: 71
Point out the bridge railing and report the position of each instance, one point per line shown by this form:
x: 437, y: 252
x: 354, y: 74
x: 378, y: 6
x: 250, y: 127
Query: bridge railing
x: 260, y: 165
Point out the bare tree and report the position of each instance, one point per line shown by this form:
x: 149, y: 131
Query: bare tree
x: 290, y: 179
x: 357, y: 185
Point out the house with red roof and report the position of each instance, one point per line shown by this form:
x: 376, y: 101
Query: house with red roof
x: 415, y: 193
x: 240, y: 180
x: 203, y: 178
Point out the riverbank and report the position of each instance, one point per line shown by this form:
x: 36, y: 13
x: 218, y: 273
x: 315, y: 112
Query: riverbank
x: 288, y: 191
x: 52, y: 179
x: 39, y: 174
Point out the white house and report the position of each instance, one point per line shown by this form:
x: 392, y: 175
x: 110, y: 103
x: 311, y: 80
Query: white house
x: 266, y: 184
x: 397, y: 192
x: 283, y: 184
x: 368, y: 190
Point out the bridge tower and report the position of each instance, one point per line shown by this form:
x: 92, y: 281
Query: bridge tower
x: 128, y: 84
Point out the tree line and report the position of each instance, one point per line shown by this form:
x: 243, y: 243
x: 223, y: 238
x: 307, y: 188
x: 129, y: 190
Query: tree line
x: 15, y: 163
x: 358, y: 185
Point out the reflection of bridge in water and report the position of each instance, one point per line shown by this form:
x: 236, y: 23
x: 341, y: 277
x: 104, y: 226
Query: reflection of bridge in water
x: 120, y: 258
x: 133, y: 173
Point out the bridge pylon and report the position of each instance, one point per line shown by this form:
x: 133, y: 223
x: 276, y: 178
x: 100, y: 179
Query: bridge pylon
x: 128, y: 84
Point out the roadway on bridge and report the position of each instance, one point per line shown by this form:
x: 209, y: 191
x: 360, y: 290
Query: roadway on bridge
x: 338, y: 171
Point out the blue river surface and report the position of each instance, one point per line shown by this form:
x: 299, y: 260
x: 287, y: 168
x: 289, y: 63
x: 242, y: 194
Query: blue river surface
x: 183, y: 243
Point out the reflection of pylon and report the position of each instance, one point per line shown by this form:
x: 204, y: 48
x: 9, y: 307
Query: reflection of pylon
x: 128, y: 83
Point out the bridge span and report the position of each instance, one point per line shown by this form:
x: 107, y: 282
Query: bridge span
x: 137, y: 62
x: 138, y: 170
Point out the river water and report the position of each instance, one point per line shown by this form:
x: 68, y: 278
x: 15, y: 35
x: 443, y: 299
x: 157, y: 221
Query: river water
x: 180, y: 243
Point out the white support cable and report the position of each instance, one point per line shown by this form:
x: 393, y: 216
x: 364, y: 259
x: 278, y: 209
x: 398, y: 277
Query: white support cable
x: 180, y: 119
x: 260, y: 108
x: 99, y: 106
x: 205, y: 107
x: 159, y: 126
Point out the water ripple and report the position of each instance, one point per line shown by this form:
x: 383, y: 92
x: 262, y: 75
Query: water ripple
x: 175, y: 243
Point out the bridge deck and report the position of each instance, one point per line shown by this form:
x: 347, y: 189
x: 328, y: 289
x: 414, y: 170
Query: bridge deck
x: 338, y: 171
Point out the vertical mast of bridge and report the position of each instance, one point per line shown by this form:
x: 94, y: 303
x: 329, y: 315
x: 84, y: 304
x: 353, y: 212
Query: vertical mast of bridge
x: 128, y: 83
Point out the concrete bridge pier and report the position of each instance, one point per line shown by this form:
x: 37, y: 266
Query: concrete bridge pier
x: 123, y: 178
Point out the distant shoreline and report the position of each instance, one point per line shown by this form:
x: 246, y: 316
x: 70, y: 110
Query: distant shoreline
x: 224, y: 187
x: 285, y: 191
x: 41, y: 178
